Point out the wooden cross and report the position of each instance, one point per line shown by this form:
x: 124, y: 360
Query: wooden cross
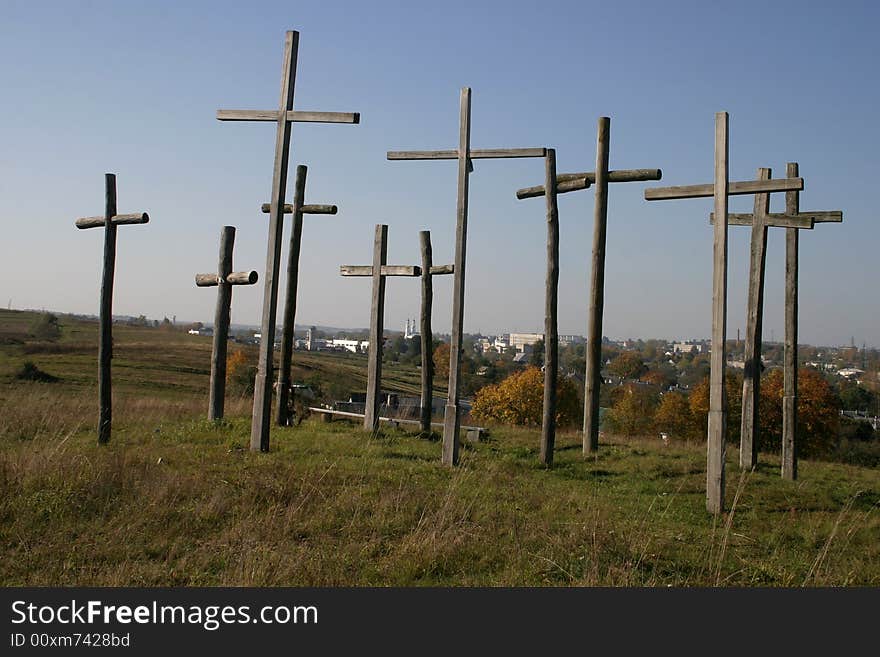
x: 571, y: 182
x: 298, y: 209
x: 284, y: 116
x: 224, y: 279
x: 109, y: 222
x: 378, y: 271
x: 429, y: 270
x: 792, y: 220
x: 464, y: 154
x: 720, y: 190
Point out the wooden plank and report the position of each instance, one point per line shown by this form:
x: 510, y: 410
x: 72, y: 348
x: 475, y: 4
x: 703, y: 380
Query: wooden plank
x: 105, y: 337
x: 282, y: 405
x: 451, y: 420
x: 790, y: 353
x: 775, y: 220
x: 377, y: 321
x: 117, y: 220
x: 551, y: 303
x: 717, y: 426
x: 355, y: 270
x: 748, y: 437
x: 261, y: 417
x: 475, y: 154
x: 387, y: 270
x: 439, y: 270
x: 330, y: 411
x: 242, y: 278
x: 593, y: 374
x: 572, y: 182
x: 207, y: 280
x: 573, y: 185
x: 426, y: 402
x: 306, y: 209
x: 734, y: 189
x: 324, y: 117
x: 217, y: 394
x: 247, y: 115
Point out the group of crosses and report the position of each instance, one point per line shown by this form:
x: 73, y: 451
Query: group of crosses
x: 554, y: 184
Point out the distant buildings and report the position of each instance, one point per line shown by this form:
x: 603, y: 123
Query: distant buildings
x: 687, y: 347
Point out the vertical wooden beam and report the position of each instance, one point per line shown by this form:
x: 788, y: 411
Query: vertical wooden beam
x: 282, y: 409
x: 263, y: 382
x: 551, y: 333
x: 717, y: 425
x: 451, y: 419
x: 105, y: 346
x: 427, y: 401
x: 748, y: 447
x: 377, y: 321
x: 217, y: 395
x: 790, y: 357
x: 593, y: 378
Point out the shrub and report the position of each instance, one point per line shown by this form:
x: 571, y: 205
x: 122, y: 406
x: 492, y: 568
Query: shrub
x: 45, y: 327
x: 30, y: 372
x: 519, y: 399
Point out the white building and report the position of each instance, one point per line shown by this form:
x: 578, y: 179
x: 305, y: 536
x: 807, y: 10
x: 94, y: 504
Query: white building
x: 687, y: 347
x: 520, y: 341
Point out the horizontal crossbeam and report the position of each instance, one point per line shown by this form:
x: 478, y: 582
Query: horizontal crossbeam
x: 306, y: 209
x: 116, y: 220
x: 474, y: 154
x: 782, y: 220
x: 772, y: 220
x: 387, y: 270
x: 293, y: 115
x: 734, y: 189
x: 573, y: 182
x: 441, y: 269
x: 235, y: 278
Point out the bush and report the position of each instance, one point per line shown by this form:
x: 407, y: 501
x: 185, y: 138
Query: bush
x: 45, y: 327
x: 674, y: 416
x: 519, y: 400
x: 633, y: 411
x: 30, y: 372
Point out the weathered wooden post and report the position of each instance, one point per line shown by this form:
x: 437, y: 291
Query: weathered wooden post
x: 284, y: 117
x: 224, y: 279
x: 109, y: 222
x: 792, y: 220
x: 378, y: 271
x: 720, y: 190
x: 464, y: 155
x: 428, y: 272
x: 570, y: 182
x: 298, y: 209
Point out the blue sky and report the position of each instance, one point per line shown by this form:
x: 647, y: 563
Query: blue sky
x: 132, y: 88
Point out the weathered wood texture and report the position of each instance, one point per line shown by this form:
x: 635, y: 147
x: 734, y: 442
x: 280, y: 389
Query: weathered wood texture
x: 572, y: 182
x: 734, y: 189
x: 233, y: 278
x: 805, y: 220
x: 109, y: 222
x: 117, y: 220
x: 551, y: 303
x: 717, y: 429
x: 309, y: 208
x: 282, y: 402
x: 293, y: 116
x: 387, y: 270
x: 790, y: 355
x: 593, y: 376
x: 473, y: 154
x: 427, y: 396
x: 377, y: 328
x: 748, y: 445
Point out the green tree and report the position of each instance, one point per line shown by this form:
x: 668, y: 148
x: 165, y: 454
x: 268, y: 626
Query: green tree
x: 45, y: 327
x: 628, y: 365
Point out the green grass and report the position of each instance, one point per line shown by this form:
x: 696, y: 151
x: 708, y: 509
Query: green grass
x: 175, y: 500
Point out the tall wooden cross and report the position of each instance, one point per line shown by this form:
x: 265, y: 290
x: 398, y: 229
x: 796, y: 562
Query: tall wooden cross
x: 464, y: 154
x: 109, y: 222
x: 792, y: 220
x: 224, y: 279
x: 429, y: 270
x: 571, y: 182
x: 720, y: 190
x: 284, y: 117
x: 378, y: 271
x: 298, y: 209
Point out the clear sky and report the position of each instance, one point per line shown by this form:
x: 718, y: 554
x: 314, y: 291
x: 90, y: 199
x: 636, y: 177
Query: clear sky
x: 132, y: 88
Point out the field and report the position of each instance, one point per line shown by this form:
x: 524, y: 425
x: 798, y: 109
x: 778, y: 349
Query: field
x: 175, y: 500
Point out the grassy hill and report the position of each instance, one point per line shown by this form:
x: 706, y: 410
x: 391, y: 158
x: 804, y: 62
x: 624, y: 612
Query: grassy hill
x: 175, y: 500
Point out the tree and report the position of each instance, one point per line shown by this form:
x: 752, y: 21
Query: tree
x: 628, y: 365
x: 519, y: 399
x: 818, y: 424
x: 633, y: 412
x: 441, y: 360
x: 699, y: 401
x: 673, y: 416
x: 536, y: 358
